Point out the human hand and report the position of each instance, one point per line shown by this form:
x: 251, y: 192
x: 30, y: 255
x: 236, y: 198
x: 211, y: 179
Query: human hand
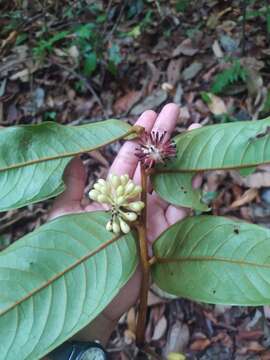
x: 161, y: 216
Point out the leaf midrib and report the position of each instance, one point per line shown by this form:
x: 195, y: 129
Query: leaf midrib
x: 62, y: 273
x: 226, y: 167
x: 164, y: 260
x: 65, y: 155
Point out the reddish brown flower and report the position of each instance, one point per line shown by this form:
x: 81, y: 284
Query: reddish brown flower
x: 154, y: 148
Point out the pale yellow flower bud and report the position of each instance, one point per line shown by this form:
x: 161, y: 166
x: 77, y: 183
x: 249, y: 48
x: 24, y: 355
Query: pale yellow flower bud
x: 137, y: 190
x: 120, y: 190
x: 114, y: 180
x: 130, y: 216
x: 117, y: 191
x: 120, y: 200
x: 129, y: 187
x: 124, y: 179
x: 136, y: 206
x: 124, y: 226
x: 103, y: 199
x: 93, y: 194
x: 115, y: 227
x: 101, y: 188
x: 102, y: 182
x: 109, y: 226
x: 97, y: 186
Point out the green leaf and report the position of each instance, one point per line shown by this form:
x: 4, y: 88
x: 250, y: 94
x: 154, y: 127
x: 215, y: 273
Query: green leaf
x: 225, y: 146
x: 236, y: 72
x: 58, y: 36
x: 90, y: 64
x: 115, y: 54
x: 247, y: 171
x: 85, y: 31
x: 53, y: 283
x: 177, y: 189
x: 182, y: 5
x: 33, y: 157
x: 214, y: 260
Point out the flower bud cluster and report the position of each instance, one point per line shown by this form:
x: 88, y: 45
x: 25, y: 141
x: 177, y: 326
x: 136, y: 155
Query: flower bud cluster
x: 119, y: 192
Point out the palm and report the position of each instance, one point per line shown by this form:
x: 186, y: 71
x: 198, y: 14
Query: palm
x: 161, y: 216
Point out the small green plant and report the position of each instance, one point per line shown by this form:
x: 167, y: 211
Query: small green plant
x: 50, y: 116
x: 93, y: 255
x: 44, y: 47
x: 182, y: 5
x: 235, y: 73
x: 87, y: 41
x: 15, y: 19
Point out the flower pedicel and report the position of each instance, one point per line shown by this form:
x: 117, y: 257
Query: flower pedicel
x: 119, y: 192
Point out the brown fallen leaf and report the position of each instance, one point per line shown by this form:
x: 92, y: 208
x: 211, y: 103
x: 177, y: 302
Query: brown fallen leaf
x: 96, y: 154
x: 10, y: 39
x: 153, y: 299
x: 185, y: 48
x: 265, y: 355
x: 200, y: 344
x: 131, y: 320
x: 217, y: 105
x: 249, y: 335
x: 177, y: 338
x: 174, y: 71
x: 160, y: 329
x: 246, y: 198
x: 217, y: 49
x: 253, y: 346
x: 129, y: 337
x: 258, y: 180
x: 224, y: 338
x: 155, y: 99
x: 266, y: 310
x: 125, y: 103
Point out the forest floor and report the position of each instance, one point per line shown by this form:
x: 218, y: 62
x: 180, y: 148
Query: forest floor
x: 73, y: 62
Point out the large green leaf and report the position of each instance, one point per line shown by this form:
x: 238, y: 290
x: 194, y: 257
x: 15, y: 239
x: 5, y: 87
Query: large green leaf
x: 53, y: 284
x: 223, y: 146
x: 242, y: 145
x: 176, y: 188
x: 215, y: 260
x: 33, y: 157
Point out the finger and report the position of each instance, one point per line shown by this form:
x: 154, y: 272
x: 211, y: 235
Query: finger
x: 158, y: 201
x: 156, y: 221
x: 126, y: 160
x: 166, y: 121
x: 197, y: 181
x: 174, y: 214
x: 74, y: 179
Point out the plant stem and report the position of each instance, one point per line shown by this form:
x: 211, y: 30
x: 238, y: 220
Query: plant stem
x: 152, y: 261
x: 140, y: 329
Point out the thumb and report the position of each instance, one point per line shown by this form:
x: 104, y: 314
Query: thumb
x: 70, y: 199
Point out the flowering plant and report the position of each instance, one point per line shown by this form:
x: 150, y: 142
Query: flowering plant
x: 93, y: 255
